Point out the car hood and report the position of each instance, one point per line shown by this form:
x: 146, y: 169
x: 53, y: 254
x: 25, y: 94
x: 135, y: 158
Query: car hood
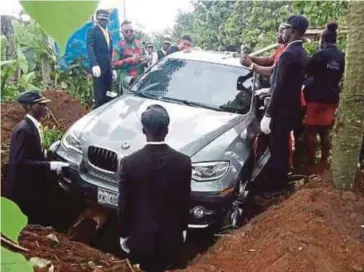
x: 118, y: 127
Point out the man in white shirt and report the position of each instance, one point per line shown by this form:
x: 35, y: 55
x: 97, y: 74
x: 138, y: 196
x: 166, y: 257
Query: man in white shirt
x: 151, y: 54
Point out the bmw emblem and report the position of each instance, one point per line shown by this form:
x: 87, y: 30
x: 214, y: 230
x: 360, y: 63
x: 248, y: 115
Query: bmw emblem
x: 125, y: 145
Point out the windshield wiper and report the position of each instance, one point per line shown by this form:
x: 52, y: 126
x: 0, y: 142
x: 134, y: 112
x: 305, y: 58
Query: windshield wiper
x: 142, y: 91
x: 190, y: 103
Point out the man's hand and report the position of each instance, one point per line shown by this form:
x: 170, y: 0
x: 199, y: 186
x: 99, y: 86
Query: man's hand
x: 96, y: 71
x: 114, y: 75
x: 136, y: 58
x: 265, y: 125
x: 261, y: 92
x: 246, y: 61
x: 58, y: 166
x: 123, y: 244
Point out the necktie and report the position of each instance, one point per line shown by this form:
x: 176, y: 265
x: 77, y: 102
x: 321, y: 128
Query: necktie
x: 41, y: 135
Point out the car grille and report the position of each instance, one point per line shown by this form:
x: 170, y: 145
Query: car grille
x: 103, y: 175
x: 103, y: 158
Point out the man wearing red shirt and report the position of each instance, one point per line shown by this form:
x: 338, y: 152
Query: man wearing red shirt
x: 264, y: 66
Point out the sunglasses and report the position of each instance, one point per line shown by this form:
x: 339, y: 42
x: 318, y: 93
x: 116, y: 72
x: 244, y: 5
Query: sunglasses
x: 129, y: 31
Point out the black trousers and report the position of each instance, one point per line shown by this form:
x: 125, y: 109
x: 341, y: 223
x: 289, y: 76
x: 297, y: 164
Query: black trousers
x: 161, y: 259
x: 278, y: 144
x: 102, y: 84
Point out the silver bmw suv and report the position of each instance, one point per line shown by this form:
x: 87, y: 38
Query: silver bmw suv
x: 209, y: 97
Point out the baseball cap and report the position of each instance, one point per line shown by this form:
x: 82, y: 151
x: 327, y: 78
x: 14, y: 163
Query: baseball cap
x: 167, y: 39
x: 298, y: 22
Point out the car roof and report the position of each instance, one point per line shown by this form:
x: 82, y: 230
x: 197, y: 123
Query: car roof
x: 207, y: 56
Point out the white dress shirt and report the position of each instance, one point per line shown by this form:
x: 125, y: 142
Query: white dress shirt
x: 37, y: 125
x: 156, y: 143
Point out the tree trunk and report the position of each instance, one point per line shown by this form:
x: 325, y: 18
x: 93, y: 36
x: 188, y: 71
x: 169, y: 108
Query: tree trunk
x: 349, y: 128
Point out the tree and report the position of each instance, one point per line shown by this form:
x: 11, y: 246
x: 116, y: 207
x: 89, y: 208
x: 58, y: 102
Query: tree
x: 321, y: 12
x: 255, y: 23
x: 183, y: 25
x: 349, y: 128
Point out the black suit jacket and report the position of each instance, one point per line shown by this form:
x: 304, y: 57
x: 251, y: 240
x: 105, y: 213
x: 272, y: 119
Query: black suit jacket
x: 28, y: 168
x: 172, y: 49
x: 154, y: 199
x: 99, y: 54
x: 286, y: 82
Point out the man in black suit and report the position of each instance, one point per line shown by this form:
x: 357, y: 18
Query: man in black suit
x: 167, y: 41
x: 28, y: 166
x: 154, y: 197
x: 99, y: 49
x: 284, y: 108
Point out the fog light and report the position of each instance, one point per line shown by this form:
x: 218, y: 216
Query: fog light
x: 198, y: 212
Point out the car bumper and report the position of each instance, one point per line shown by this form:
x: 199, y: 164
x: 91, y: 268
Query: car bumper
x: 212, y: 207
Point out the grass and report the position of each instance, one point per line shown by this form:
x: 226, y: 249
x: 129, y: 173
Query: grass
x: 50, y: 135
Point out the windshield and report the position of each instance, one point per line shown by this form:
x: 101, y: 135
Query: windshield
x: 198, y: 83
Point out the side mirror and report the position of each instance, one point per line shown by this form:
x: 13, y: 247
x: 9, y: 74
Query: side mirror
x: 129, y: 80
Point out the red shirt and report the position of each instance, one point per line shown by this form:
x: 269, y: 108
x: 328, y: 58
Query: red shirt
x: 278, y: 52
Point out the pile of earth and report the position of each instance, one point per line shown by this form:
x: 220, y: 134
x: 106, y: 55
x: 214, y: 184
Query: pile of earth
x: 66, y: 255
x: 317, y: 229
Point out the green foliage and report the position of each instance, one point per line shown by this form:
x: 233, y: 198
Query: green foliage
x: 321, y: 12
x: 3, y: 47
x: 77, y: 81
x: 12, y: 228
x: 51, y: 135
x: 10, y: 89
x: 12, y: 223
x: 230, y: 24
x: 311, y: 47
x: 255, y: 23
x: 34, y: 42
x: 14, y: 262
x: 60, y: 18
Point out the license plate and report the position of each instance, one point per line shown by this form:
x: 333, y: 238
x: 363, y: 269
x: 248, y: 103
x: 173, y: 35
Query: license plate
x: 107, y: 197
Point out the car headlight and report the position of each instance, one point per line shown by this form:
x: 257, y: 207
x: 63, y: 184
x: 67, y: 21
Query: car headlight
x: 207, y: 171
x: 71, y: 141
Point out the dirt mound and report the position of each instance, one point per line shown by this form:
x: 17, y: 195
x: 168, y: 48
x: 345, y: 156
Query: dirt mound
x: 65, y: 108
x: 316, y: 229
x: 67, y: 255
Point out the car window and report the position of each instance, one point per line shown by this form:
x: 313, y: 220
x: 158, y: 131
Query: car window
x: 217, y: 86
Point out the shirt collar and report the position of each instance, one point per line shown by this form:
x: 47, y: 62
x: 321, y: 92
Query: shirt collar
x: 35, y: 121
x: 156, y: 143
x: 293, y: 42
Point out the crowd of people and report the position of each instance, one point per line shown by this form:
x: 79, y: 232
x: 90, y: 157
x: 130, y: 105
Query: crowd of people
x: 304, y: 94
x: 153, y: 218
x: 130, y: 58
